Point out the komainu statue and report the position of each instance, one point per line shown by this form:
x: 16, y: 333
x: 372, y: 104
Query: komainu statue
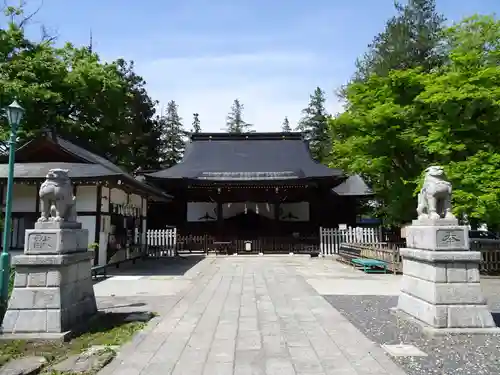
x: 56, y: 197
x: 434, y: 199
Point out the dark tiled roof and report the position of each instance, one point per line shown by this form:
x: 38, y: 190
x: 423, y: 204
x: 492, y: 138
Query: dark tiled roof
x: 91, y: 165
x: 89, y: 156
x: 354, y: 186
x: 39, y: 170
x: 249, y: 156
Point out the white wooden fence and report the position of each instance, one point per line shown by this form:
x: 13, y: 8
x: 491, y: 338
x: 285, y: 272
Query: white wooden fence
x: 331, y: 238
x: 163, y: 239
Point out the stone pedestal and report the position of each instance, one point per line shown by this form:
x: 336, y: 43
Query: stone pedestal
x: 53, y: 290
x: 440, y: 286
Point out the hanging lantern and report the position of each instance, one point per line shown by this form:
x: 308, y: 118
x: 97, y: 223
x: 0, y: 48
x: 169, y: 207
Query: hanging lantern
x: 256, y: 208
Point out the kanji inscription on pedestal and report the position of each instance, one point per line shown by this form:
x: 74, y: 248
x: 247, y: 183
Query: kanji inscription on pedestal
x: 41, y: 241
x: 450, y: 238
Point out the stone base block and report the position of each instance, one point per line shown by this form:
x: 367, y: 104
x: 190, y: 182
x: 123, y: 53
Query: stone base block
x: 443, y: 272
x: 52, y: 293
x: 443, y: 293
x: 430, y: 256
x: 438, y: 237
x: 51, y: 224
x: 438, y: 331
x: 55, y: 241
x: 441, y: 222
x: 454, y: 316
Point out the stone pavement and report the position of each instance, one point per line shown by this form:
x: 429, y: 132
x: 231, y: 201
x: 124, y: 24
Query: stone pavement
x: 251, y: 316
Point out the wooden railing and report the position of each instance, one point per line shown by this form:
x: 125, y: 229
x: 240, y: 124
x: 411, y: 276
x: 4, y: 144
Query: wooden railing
x: 167, y: 244
x: 389, y: 253
x: 490, y: 254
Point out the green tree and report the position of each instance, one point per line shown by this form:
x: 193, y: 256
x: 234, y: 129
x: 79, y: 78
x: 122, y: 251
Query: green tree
x: 411, y: 39
x: 71, y: 91
x: 314, y: 126
x: 396, y: 125
x: 373, y: 138
x: 196, y: 123
x: 285, y: 127
x: 234, y: 120
x: 142, y: 147
x: 172, y: 136
x: 461, y: 112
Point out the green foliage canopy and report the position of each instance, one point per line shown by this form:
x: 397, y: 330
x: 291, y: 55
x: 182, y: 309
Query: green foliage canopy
x: 396, y: 125
x: 68, y: 89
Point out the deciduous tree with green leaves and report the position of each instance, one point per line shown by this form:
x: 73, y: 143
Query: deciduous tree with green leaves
x: 397, y: 125
x: 71, y: 91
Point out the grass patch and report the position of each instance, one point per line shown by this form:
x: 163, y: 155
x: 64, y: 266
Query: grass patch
x: 109, y: 329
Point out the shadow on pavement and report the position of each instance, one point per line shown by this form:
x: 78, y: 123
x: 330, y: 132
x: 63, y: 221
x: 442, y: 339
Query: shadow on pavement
x: 164, y: 266
x: 496, y: 318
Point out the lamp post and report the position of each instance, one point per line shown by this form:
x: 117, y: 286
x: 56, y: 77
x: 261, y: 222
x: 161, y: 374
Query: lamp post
x: 14, y: 115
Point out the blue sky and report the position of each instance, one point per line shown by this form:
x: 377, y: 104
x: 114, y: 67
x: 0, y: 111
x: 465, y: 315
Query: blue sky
x: 205, y: 53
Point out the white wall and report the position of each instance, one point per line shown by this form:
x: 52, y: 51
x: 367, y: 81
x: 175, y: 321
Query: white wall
x: 196, y: 211
x: 298, y: 211
x: 233, y: 209
x: 88, y: 222
x: 86, y: 198
x: 105, y: 194
x: 23, y: 198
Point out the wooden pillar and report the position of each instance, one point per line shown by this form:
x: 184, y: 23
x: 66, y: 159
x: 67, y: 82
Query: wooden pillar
x: 276, y: 212
x: 98, y: 225
x: 220, y: 218
x: 37, y: 201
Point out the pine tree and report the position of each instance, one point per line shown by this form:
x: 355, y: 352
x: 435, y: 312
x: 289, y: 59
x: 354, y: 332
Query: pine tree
x: 234, y: 121
x: 410, y: 39
x: 314, y: 126
x: 172, y: 136
x: 285, y: 127
x: 196, y: 123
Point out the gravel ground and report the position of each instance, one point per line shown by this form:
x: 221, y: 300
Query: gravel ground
x: 457, y: 355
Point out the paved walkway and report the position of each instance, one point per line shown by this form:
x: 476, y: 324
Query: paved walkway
x: 251, y: 316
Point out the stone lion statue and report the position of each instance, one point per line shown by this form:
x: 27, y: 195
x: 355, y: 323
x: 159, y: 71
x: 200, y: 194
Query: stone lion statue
x: 434, y: 199
x: 56, y: 197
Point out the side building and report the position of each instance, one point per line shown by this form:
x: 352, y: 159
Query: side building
x: 111, y: 204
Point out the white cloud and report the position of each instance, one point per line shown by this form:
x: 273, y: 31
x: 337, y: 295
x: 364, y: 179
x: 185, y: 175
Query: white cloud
x: 271, y: 85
